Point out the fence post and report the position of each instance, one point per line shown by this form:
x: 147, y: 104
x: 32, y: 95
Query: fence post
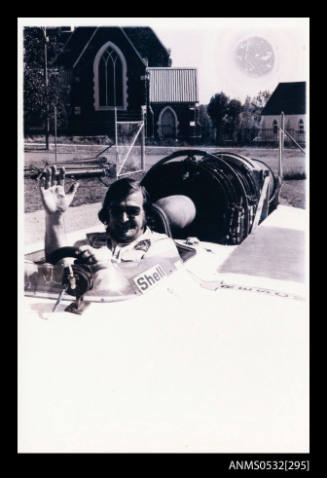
x: 55, y: 132
x: 116, y: 145
x: 46, y: 90
x: 115, y: 118
x: 143, y: 139
x: 281, y: 144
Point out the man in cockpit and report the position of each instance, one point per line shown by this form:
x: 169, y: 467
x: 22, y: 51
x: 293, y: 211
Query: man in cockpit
x: 124, y: 211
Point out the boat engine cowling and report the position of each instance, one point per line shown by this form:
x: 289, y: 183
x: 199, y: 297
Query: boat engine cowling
x: 215, y: 197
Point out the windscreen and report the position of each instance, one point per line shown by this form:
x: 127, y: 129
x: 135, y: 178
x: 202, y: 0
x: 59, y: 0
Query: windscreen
x: 117, y: 282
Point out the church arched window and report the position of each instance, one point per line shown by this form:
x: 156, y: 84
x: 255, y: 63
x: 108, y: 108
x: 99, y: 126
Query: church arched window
x: 110, y: 78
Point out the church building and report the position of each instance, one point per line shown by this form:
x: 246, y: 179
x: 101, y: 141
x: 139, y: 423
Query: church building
x: 289, y: 98
x: 126, y: 73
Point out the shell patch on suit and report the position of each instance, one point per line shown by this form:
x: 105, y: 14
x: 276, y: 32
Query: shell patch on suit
x: 143, y: 245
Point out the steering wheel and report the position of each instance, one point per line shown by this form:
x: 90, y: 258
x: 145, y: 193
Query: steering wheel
x: 82, y: 272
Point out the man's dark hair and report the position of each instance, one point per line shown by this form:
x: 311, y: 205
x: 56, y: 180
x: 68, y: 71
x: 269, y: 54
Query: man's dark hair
x: 118, y: 190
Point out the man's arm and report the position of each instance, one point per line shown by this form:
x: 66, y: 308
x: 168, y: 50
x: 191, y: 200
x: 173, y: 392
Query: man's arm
x: 54, y: 234
x: 55, y: 202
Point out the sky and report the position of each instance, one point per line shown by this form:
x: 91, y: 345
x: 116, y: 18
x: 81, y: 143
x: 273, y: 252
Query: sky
x: 237, y: 56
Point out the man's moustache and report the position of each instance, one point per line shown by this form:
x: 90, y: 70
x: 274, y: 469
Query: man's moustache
x: 126, y: 226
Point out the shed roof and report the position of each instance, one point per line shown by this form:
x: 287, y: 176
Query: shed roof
x: 287, y: 97
x: 173, y: 85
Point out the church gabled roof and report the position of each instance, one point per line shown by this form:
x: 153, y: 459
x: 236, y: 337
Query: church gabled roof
x: 143, y: 40
x: 288, y: 98
x: 75, y: 42
x: 148, y: 45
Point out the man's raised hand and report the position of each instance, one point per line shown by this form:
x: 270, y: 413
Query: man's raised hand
x: 52, y: 190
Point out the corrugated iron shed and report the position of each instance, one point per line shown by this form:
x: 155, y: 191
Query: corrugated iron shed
x: 173, y: 85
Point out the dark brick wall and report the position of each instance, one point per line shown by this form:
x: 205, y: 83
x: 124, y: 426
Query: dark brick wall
x: 184, y: 115
x: 90, y: 121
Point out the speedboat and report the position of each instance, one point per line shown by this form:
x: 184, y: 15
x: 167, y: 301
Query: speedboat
x: 204, y: 351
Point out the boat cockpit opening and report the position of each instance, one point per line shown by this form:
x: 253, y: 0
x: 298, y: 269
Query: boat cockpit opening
x: 215, y: 197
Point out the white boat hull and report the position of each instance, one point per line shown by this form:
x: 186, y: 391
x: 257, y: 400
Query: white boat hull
x: 221, y: 369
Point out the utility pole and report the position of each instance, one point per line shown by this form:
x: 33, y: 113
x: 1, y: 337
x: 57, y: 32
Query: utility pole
x: 146, y: 79
x: 46, y: 84
x: 55, y: 131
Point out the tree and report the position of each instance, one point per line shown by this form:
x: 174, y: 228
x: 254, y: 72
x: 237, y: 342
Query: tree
x: 217, y: 110
x: 207, y: 133
x: 232, y: 119
x: 248, y: 127
x: 39, y: 101
x: 250, y: 116
x: 260, y: 100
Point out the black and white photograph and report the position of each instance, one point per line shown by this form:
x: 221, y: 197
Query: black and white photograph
x: 163, y: 231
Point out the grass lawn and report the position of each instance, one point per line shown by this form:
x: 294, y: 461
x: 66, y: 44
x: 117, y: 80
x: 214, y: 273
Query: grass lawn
x: 92, y: 190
